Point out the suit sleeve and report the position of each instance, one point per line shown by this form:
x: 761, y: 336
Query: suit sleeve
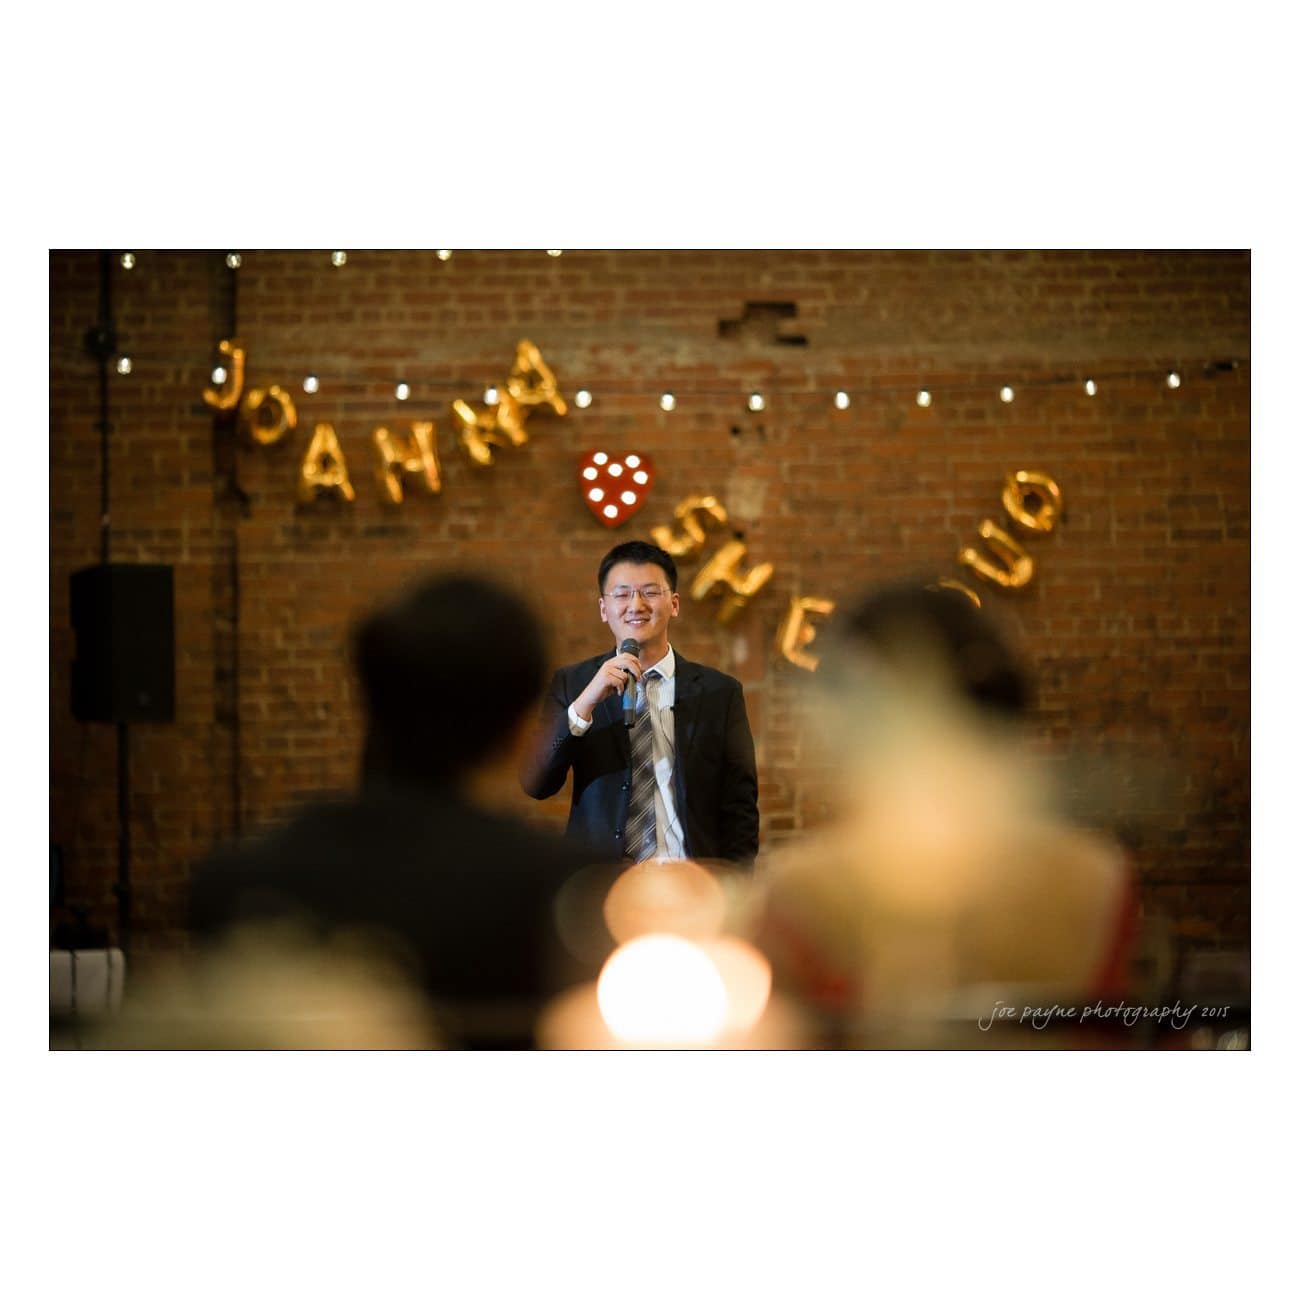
x: 739, y: 810
x: 550, y: 754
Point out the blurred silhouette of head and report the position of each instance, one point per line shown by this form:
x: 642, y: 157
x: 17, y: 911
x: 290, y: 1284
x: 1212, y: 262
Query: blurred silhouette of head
x: 448, y: 670
x: 911, y: 629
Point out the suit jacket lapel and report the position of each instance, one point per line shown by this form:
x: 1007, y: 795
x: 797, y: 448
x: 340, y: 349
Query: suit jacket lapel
x: 685, y: 718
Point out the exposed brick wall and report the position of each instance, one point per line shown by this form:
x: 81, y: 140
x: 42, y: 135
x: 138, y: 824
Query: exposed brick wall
x: 1137, y: 620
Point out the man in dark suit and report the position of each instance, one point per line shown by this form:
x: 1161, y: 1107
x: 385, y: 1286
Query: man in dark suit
x: 675, y: 775
x: 417, y: 863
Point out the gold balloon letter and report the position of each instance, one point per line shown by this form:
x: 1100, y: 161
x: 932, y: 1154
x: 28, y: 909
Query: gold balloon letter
x: 685, y: 513
x: 268, y: 414
x: 722, y: 570
x: 951, y: 584
x: 795, y: 633
x: 502, y: 426
x: 1017, y: 565
x: 1027, y: 483
x: 227, y: 397
x: 416, y: 455
x: 531, y: 381
x: 324, y: 468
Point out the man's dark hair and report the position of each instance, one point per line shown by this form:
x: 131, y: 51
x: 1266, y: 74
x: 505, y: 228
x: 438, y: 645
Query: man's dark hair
x: 894, y: 622
x: 638, y: 553
x: 447, y: 669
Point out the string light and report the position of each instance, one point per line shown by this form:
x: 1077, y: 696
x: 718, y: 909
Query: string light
x: 1173, y: 379
x: 582, y: 398
x: 554, y: 252
x: 311, y: 384
x: 402, y: 391
x: 923, y: 398
x: 128, y: 261
x: 444, y: 254
x: 667, y: 402
x: 491, y: 396
x: 841, y: 401
x: 338, y: 257
x: 1007, y: 393
x: 234, y: 261
x: 756, y: 402
x: 124, y: 365
x: 219, y: 375
x: 1090, y: 387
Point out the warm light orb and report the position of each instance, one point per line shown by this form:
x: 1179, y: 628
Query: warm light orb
x: 756, y: 402
x: 1090, y: 387
x: 491, y: 396
x: 841, y: 401
x: 338, y: 257
x: 124, y: 365
x: 219, y: 376
x: 444, y: 254
x: 128, y: 261
x: 554, y: 252
x: 665, y: 897
x: 402, y: 392
x: 1007, y: 393
x: 234, y: 261
x: 667, y: 402
x: 660, y: 989
x: 923, y: 398
x: 311, y: 384
x: 582, y: 398
x: 1174, y: 379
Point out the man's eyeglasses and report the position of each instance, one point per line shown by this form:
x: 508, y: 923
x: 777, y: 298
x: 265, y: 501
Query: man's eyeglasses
x: 649, y: 594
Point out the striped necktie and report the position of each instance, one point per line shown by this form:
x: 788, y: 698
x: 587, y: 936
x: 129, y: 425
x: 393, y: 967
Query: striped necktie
x: 639, y: 839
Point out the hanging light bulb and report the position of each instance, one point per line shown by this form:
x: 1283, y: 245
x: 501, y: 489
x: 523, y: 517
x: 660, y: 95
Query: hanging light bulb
x: 1090, y: 387
x: 582, y: 398
x: 923, y: 398
x: 667, y: 402
x: 402, y: 391
x: 311, y: 384
x: 1173, y: 379
x: 128, y: 261
x: 756, y: 402
x: 841, y: 401
x: 124, y: 365
x: 491, y: 396
x: 1007, y: 393
x: 338, y: 257
x: 234, y: 261
x: 219, y: 376
x: 444, y: 254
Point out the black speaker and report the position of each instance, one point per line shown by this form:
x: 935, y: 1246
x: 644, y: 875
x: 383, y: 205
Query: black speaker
x: 125, y: 664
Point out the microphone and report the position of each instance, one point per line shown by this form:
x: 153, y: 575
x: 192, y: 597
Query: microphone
x: 629, y: 646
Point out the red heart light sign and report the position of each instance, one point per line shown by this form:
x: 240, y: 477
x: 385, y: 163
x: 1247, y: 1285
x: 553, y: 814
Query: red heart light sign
x: 615, y: 486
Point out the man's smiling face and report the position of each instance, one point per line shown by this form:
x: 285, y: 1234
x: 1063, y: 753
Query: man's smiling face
x: 633, y: 615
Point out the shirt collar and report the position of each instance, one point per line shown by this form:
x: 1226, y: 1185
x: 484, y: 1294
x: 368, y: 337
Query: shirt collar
x: 667, y: 666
